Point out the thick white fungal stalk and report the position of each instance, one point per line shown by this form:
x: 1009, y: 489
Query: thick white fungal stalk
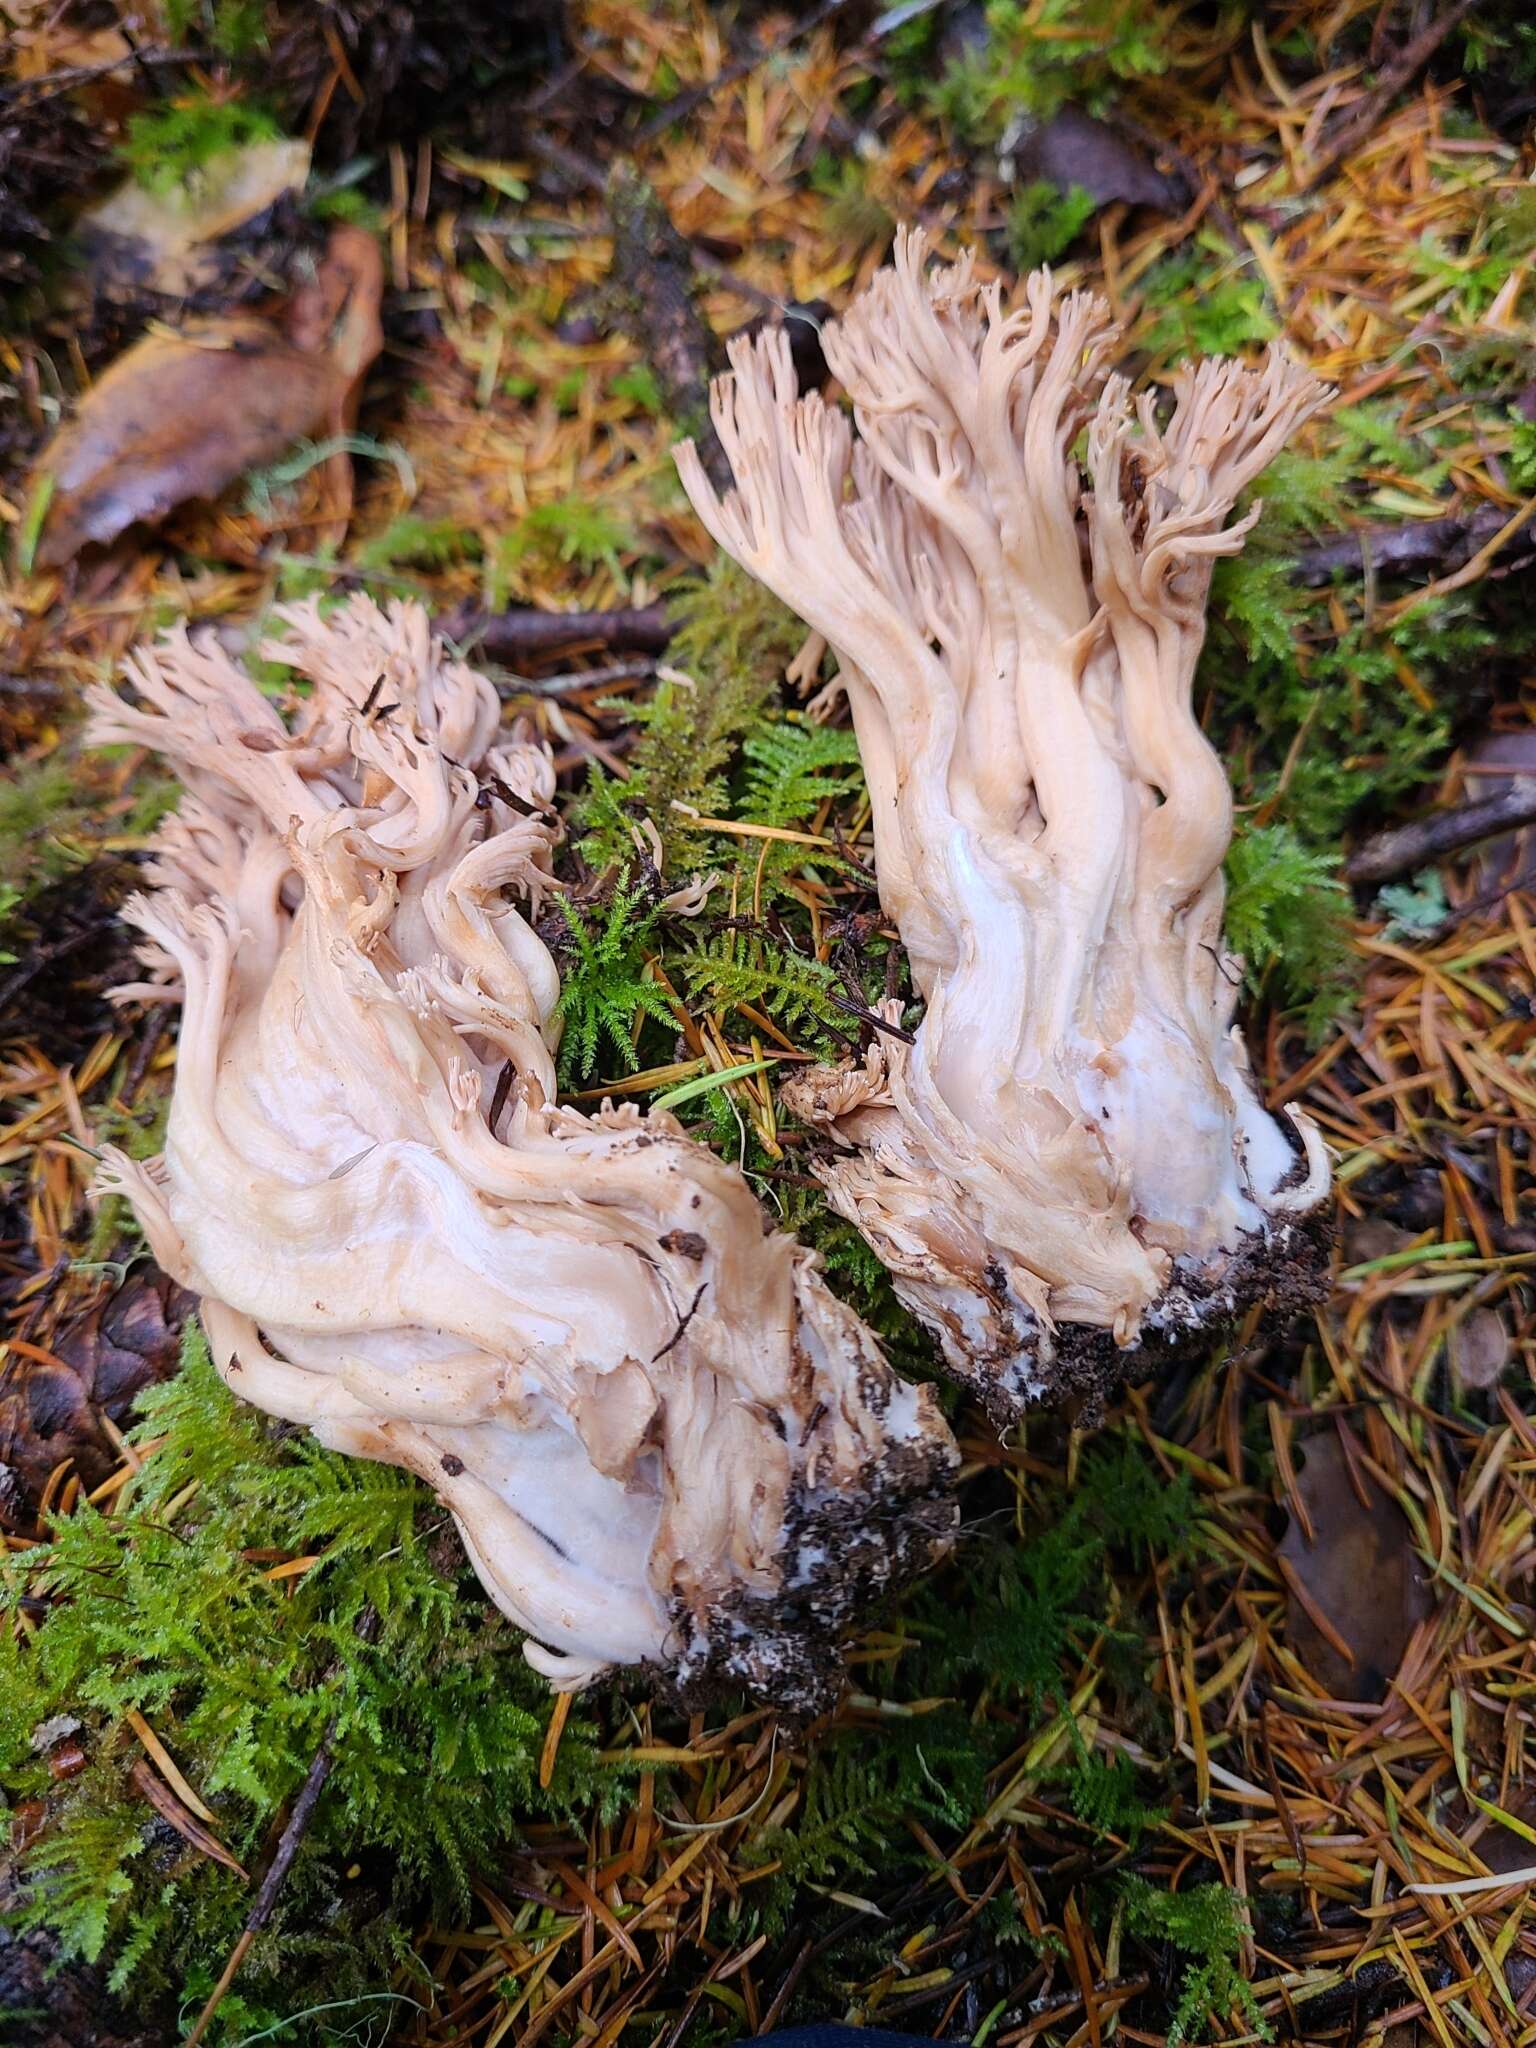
x: 664, y: 1442
x: 1072, y: 1157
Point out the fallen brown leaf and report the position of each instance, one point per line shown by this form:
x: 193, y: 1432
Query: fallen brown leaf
x: 184, y: 413
x: 1357, y: 1593
x: 52, y: 1398
x: 1481, y: 1347
x: 1075, y: 150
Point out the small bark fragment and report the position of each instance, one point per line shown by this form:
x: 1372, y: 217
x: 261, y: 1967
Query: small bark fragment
x: 652, y: 297
x: 1435, y: 545
x: 1406, y: 848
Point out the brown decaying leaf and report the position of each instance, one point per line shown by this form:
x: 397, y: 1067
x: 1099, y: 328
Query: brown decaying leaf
x: 181, y: 415
x: 1073, y: 149
x: 1481, y: 1347
x: 1361, y: 1577
x: 50, y: 1405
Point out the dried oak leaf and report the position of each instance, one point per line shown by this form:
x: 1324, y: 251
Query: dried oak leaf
x: 1359, y: 1574
x: 101, y: 1363
x: 183, y: 413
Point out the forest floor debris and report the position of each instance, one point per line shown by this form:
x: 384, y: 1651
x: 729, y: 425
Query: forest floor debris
x: 1091, y: 1783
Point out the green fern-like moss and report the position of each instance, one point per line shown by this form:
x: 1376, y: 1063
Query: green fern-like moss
x: 732, y: 643
x: 1206, y: 1926
x: 383, y: 1644
x: 605, y: 992
x: 1288, y: 919
x: 169, y: 145
x: 1033, y: 58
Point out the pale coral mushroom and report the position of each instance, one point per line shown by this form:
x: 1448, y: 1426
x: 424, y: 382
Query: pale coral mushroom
x: 665, y: 1443
x: 1072, y: 1159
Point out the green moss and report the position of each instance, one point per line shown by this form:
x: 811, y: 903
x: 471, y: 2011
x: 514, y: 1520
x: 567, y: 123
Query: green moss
x: 384, y: 1644
x: 1206, y: 1926
x: 638, y: 386
x: 50, y: 823
x: 169, y: 145
x: 235, y: 28
x: 37, y: 805
x: 852, y: 212
x: 1038, y: 54
x: 605, y: 992
x: 962, y: 1698
x: 410, y: 542
x: 582, y: 533
x: 1288, y: 918
x: 1044, y: 221
x: 732, y: 643
x: 1039, y: 1594
x: 1201, y: 307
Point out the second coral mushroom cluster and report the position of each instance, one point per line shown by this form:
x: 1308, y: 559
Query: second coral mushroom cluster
x: 1010, y: 559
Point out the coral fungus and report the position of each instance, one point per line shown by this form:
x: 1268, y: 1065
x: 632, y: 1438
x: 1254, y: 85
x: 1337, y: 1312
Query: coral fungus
x: 1072, y: 1159
x: 664, y: 1442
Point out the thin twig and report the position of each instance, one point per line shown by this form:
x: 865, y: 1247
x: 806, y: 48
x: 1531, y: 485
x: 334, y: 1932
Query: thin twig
x: 682, y: 104
x: 526, y: 633
x: 292, y: 1836
x: 512, y: 687
x: 1438, y: 545
x: 871, y: 1017
x: 1407, y: 847
x: 1357, y: 125
x: 53, y: 83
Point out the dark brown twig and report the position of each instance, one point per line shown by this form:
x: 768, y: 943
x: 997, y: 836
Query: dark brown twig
x: 31, y: 90
x: 871, y: 1017
x: 1518, y: 884
x: 1436, y: 545
x: 571, y: 682
x: 287, y: 1848
x: 1356, y: 126
x: 151, y: 1031
x: 266, y: 1899
x: 528, y: 634
x: 781, y: 1997
x: 1406, y: 847
x: 651, y: 295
